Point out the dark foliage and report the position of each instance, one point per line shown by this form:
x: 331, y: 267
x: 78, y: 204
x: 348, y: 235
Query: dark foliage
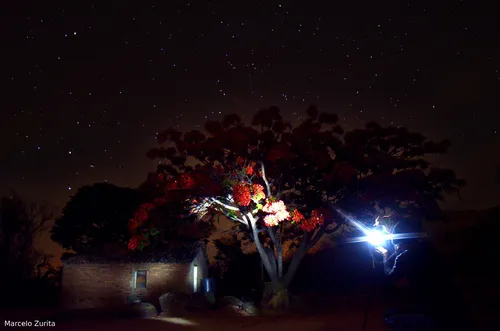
x: 184, y: 253
x: 27, y: 277
x: 96, y: 217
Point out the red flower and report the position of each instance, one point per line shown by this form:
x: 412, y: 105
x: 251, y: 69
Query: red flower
x: 241, y: 194
x: 160, y: 201
x: 249, y: 171
x: 258, y: 189
x: 187, y: 181
x: 142, y: 214
x: 133, y: 224
x: 218, y: 168
x: 315, y: 220
x: 134, y: 242
x: 171, y: 185
x: 297, y: 216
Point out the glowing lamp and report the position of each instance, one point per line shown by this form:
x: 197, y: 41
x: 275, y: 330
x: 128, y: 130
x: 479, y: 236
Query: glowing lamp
x: 195, y: 278
x: 376, y: 238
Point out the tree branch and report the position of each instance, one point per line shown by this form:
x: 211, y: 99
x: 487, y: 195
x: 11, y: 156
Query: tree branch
x: 272, y: 234
x: 272, y: 258
x: 297, y: 258
x: 265, y: 259
x: 268, y: 187
x: 279, y: 249
x: 309, y: 240
x: 225, y: 205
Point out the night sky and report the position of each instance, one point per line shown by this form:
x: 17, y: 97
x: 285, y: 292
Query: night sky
x: 87, y: 86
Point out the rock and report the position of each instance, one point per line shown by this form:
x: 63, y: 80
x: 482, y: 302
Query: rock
x: 211, y: 298
x: 233, y: 310
x: 229, y: 300
x: 237, y: 310
x: 239, y: 307
x: 250, y: 308
x: 133, y: 299
x: 142, y: 310
x: 173, y: 302
x: 198, y: 302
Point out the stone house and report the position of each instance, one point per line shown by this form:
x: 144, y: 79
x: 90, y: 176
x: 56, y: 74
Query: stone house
x: 106, y: 281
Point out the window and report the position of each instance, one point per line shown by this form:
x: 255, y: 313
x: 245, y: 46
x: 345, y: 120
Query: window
x: 141, y: 278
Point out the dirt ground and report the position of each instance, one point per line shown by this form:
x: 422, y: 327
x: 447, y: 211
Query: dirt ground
x: 316, y: 323
x: 337, y: 316
x: 340, y: 321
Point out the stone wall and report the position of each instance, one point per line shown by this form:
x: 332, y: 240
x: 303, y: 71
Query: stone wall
x: 105, y: 285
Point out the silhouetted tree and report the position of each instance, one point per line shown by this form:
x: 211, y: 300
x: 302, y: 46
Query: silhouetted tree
x: 20, y: 224
x: 312, y: 169
x: 96, y: 217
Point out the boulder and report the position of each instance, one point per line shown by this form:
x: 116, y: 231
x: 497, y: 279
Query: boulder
x: 230, y: 300
x: 173, y: 302
x: 234, y: 310
x: 133, y: 299
x: 236, y: 306
x: 250, y: 309
x: 142, y: 310
x: 198, y: 302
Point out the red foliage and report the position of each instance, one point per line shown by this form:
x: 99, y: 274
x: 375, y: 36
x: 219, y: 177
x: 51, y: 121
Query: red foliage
x: 249, y: 171
x: 160, y: 201
x: 160, y: 177
x: 278, y: 151
x: 171, y: 185
x: 206, y: 183
x: 134, y: 242
x: 241, y: 194
x: 219, y: 169
x: 297, y: 216
x: 133, y: 224
x: 187, y: 181
x: 142, y: 214
x: 257, y: 189
x: 316, y: 219
x: 240, y: 161
x: 345, y: 172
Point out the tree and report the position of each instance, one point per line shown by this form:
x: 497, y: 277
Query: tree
x: 282, y: 184
x: 96, y: 217
x: 164, y: 220
x: 20, y: 224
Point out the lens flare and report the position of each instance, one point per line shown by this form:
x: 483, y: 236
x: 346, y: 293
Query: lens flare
x: 376, y: 238
x: 379, y: 235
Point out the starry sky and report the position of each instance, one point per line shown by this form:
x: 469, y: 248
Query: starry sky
x: 86, y: 86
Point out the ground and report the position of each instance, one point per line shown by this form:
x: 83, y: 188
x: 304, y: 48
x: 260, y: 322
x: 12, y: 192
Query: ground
x: 341, y: 315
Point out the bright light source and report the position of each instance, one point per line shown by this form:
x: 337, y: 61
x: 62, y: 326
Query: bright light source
x: 376, y: 238
x: 195, y: 278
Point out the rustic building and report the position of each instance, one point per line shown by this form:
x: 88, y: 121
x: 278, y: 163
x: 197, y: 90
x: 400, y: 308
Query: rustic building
x: 98, y: 281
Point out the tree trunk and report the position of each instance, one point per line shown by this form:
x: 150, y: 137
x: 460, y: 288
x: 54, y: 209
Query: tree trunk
x: 280, y: 261
x: 308, y: 241
x: 275, y: 296
x: 294, y: 265
x: 268, y: 265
